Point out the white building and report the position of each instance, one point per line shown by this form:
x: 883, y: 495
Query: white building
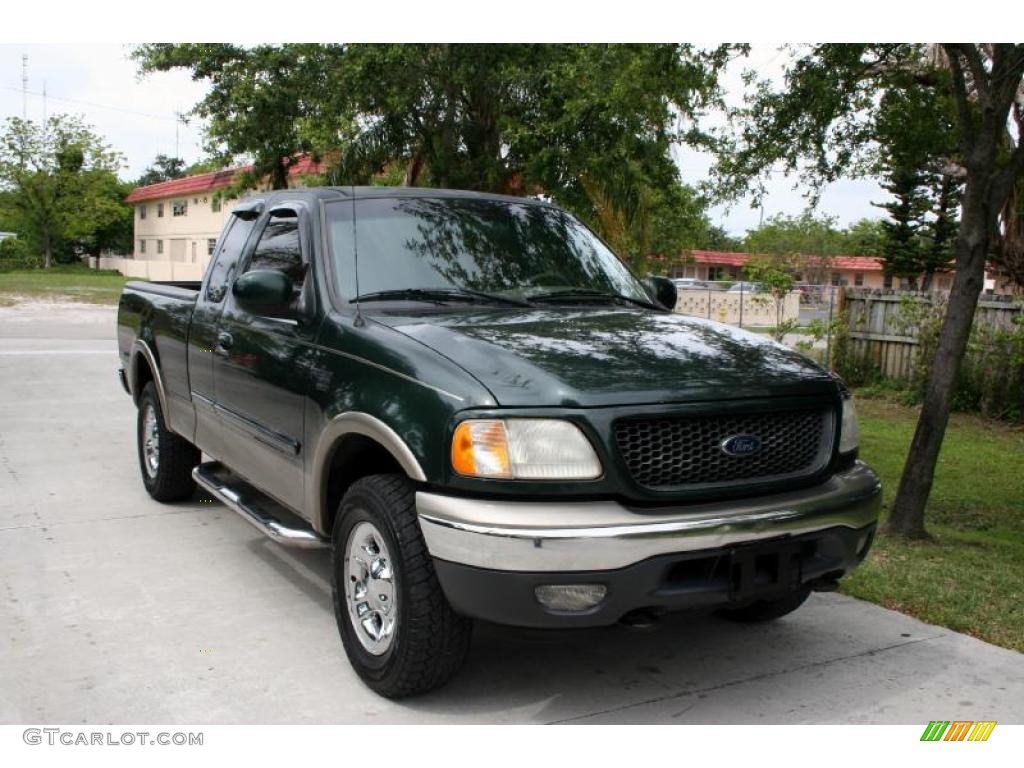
x: 177, y: 223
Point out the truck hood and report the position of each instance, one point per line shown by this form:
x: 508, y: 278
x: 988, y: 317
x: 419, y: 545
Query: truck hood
x: 610, y: 356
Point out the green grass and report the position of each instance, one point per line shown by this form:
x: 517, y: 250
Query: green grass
x: 67, y: 283
x: 970, y: 578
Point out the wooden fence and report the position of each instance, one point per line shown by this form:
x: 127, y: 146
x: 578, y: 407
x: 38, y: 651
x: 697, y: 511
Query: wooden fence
x: 880, y: 329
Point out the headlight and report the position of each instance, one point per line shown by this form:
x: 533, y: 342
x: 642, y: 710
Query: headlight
x: 849, y: 434
x: 523, y: 449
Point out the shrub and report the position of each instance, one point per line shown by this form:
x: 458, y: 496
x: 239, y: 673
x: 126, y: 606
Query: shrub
x: 991, y: 379
x: 15, y: 254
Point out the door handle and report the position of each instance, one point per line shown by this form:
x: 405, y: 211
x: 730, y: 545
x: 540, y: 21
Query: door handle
x: 224, y: 341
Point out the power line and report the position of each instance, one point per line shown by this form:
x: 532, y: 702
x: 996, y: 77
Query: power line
x: 27, y: 92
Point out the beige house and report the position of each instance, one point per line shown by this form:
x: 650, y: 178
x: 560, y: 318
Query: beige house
x: 849, y: 271
x: 177, y: 224
x: 852, y: 271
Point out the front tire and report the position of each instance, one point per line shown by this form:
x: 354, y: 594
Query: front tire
x: 165, y: 459
x: 399, y: 632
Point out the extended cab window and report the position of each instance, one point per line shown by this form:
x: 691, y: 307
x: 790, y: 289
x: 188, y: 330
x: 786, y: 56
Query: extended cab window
x: 223, y: 268
x: 279, y: 248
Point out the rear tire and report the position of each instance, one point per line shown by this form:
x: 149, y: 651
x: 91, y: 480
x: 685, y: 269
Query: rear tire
x: 767, y: 610
x: 165, y: 459
x: 399, y: 632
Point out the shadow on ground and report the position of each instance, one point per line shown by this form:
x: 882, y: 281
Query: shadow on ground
x: 681, y: 670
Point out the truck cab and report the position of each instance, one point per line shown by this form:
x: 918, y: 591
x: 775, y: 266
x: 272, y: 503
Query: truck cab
x: 483, y: 414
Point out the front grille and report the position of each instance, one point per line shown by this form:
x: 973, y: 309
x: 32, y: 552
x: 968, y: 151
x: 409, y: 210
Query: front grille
x: 671, y: 452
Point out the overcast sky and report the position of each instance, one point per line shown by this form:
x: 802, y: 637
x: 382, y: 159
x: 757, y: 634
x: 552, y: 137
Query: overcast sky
x: 137, y: 117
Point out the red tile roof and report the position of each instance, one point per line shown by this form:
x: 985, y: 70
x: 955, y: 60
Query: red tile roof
x: 208, y: 182
x: 728, y: 259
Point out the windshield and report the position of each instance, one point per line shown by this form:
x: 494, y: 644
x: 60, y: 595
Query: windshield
x: 514, y: 250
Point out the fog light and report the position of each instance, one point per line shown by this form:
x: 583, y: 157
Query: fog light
x: 570, y: 597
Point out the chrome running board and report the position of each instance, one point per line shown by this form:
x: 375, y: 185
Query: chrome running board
x: 260, y: 511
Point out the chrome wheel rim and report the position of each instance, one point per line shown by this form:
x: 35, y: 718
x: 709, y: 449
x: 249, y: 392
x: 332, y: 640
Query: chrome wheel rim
x: 150, y: 441
x: 370, y: 588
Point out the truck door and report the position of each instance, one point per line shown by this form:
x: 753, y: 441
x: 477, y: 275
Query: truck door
x: 261, y: 364
x: 203, y: 329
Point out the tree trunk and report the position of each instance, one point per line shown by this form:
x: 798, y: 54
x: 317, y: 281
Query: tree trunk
x: 907, y: 516
x: 279, y: 175
x: 984, y: 134
x: 47, y: 251
x: 414, y: 170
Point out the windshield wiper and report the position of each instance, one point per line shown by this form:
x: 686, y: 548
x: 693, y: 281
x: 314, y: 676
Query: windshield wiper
x: 590, y: 293
x: 441, y: 295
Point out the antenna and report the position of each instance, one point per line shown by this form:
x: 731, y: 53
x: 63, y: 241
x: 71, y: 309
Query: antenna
x: 355, y: 258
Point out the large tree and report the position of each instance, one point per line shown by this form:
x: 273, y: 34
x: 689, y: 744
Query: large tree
x: 807, y: 233
x: 163, y: 168
x: 806, y: 243
x: 822, y: 122
x: 60, y: 184
x: 915, y: 129
x: 591, y: 126
x: 257, y: 100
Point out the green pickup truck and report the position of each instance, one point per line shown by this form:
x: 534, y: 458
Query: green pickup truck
x: 484, y: 415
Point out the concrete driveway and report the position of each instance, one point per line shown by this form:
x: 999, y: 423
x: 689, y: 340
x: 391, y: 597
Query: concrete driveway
x: 114, y: 608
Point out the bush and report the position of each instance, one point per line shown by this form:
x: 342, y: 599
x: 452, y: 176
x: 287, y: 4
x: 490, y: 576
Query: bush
x: 15, y: 254
x: 991, y: 380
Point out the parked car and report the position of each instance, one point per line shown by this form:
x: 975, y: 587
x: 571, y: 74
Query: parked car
x: 690, y: 282
x: 742, y: 287
x: 482, y: 414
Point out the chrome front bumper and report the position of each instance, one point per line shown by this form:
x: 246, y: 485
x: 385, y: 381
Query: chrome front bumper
x: 604, y: 535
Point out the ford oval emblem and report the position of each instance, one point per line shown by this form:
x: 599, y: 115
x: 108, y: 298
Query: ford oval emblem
x: 741, y: 445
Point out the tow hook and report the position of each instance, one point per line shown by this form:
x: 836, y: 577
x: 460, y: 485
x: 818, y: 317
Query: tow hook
x: 824, y: 584
x: 642, y: 618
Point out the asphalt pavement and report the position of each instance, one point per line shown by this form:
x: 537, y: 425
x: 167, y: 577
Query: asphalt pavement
x: 117, y: 609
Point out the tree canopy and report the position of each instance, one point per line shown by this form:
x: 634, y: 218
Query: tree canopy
x: 826, y: 119
x: 915, y: 129
x: 590, y: 126
x: 813, y: 234
x: 163, y: 168
x: 59, y: 187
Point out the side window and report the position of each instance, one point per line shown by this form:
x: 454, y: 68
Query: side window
x: 279, y: 248
x: 223, y: 267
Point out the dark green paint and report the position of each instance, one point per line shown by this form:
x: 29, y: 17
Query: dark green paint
x: 263, y: 291
x: 262, y: 404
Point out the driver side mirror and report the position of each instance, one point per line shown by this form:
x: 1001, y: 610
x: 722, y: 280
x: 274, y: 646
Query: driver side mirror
x: 662, y: 290
x: 264, y: 291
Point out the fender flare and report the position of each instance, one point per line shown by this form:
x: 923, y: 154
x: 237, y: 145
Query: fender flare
x: 140, y: 349
x: 355, y: 423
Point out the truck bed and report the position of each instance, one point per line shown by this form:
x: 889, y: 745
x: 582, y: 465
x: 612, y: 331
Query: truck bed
x: 157, y: 316
x: 184, y: 289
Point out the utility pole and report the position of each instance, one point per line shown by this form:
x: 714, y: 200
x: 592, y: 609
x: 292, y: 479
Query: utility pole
x: 177, y: 123
x: 24, y: 86
x: 44, y: 104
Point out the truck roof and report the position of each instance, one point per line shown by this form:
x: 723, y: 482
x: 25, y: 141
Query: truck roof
x: 347, y: 192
